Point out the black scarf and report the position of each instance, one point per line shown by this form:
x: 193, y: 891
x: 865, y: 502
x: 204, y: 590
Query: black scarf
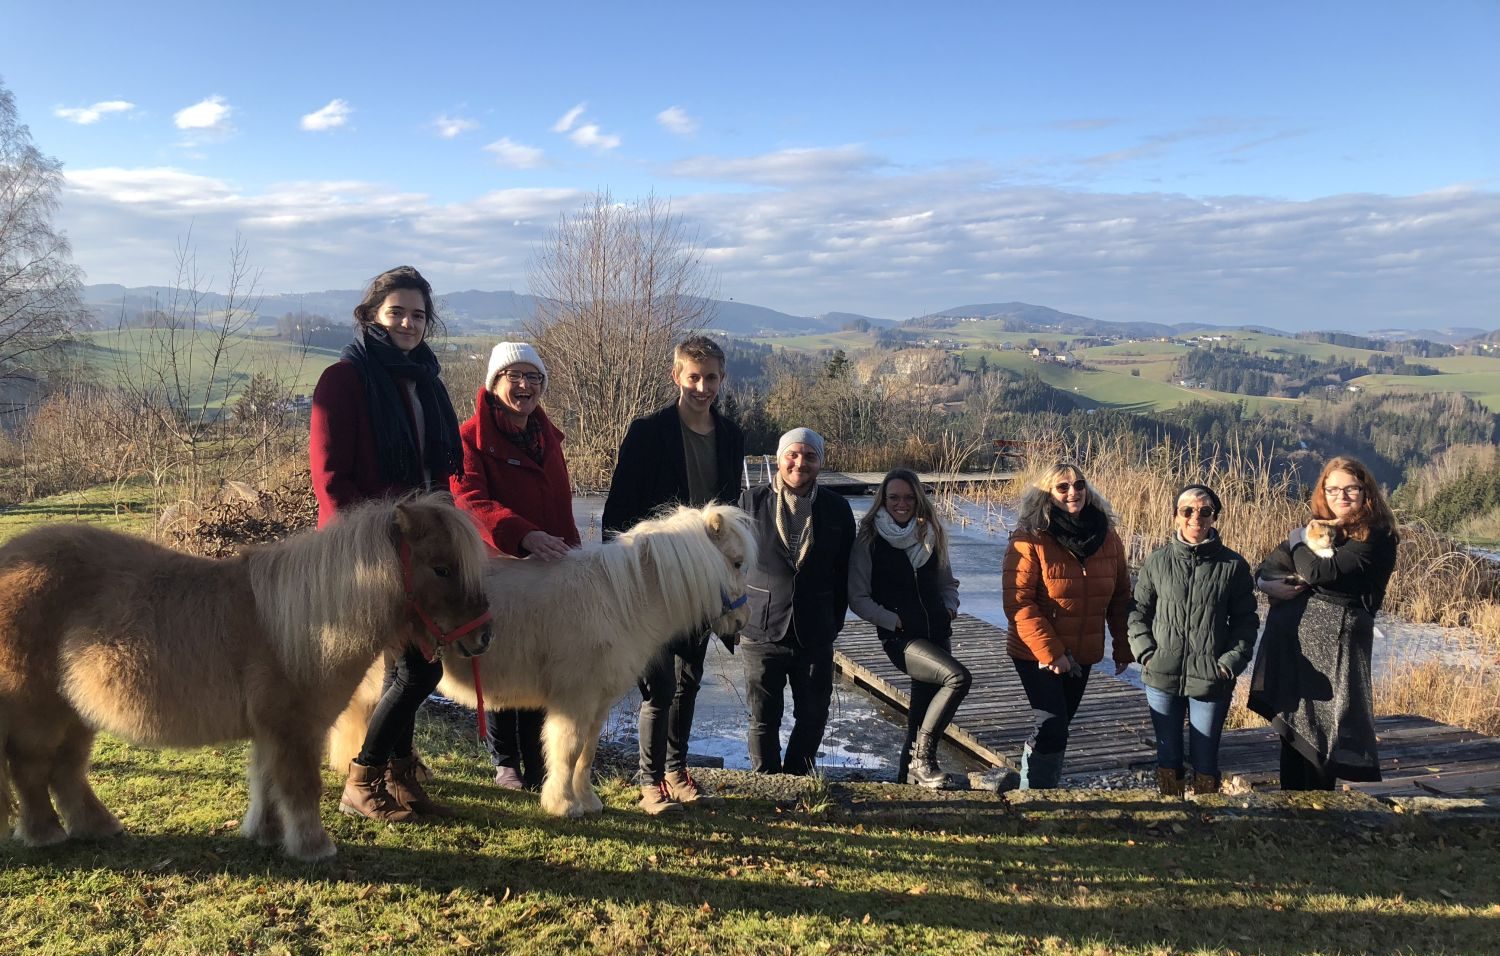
x: 380, y: 363
x: 1083, y: 533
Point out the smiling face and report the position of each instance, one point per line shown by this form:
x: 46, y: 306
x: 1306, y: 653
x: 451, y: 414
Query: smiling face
x: 518, y: 389
x: 799, y: 466
x: 900, y: 501
x: 1344, y: 494
x: 1070, y: 492
x: 697, y: 383
x: 1195, y: 518
x: 403, y: 315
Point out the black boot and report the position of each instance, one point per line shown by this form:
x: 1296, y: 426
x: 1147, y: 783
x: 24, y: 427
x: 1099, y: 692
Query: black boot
x: 925, y: 771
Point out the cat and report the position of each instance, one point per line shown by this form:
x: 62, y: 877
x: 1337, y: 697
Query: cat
x: 1323, y: 537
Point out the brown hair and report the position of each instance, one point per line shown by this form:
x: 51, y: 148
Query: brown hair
x: 924, y: 514
x: 1373, y: 515
x: 700, y: 349
x: 392, y: 280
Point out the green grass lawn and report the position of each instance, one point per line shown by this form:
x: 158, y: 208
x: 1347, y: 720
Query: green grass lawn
x: 880, y: 870
x: 129, y: 509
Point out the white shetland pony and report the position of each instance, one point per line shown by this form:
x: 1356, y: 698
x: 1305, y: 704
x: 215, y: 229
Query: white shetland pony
x: 573, y: 635
x: 106, y: 631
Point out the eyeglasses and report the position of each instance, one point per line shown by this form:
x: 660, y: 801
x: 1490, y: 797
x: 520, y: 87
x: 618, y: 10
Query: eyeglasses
x: 902, y: 499
x: 1062, y: 486
x: 530, y: 378
x: 1348, y: 491
x: 1206, y: 513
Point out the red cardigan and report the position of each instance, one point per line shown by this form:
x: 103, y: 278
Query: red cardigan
x: 508, y: 494
x: 341, y: 444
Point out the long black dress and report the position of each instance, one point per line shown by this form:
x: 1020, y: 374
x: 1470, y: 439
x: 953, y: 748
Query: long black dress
x: 1312, y: 673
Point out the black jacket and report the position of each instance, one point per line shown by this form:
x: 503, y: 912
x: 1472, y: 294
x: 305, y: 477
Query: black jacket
x: 1194, y: 610
x: 914, y: 594
x: 651, y: 470
x: 816, y: 596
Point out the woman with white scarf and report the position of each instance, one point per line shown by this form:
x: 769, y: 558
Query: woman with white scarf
x: 900, y: 580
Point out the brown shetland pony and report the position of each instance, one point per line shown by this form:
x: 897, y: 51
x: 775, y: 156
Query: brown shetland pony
x: 104, y: 631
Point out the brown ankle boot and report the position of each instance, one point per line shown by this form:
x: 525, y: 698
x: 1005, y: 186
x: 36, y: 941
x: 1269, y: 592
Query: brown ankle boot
x: 401, y: 781
x: 1169, y: 782
x: 1205, y: 783
x: 365, y: 795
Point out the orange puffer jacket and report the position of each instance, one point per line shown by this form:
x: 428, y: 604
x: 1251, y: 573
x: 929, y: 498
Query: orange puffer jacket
x: 1057, y: 605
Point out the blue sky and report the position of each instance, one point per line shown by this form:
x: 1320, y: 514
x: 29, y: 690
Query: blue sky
x: 1334, y: 163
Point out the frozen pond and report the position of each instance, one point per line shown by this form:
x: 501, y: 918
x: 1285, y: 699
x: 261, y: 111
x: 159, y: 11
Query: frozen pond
x: 864, y: 734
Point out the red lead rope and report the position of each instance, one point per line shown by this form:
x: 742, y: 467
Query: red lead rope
x: 440, y: 637
x: 484, y: 726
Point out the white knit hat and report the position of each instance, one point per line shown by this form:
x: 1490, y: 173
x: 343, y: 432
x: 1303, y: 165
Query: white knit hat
x: 804, y: 436
x: 506, y: 354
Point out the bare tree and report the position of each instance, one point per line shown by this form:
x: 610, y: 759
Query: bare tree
x: 39, y: 285
x: 618, y: 284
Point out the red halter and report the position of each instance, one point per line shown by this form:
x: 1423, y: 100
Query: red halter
x: 440, y: 638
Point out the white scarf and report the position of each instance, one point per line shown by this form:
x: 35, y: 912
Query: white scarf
x: 918, y: 546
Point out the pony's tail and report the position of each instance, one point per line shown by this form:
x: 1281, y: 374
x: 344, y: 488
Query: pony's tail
x: 347, y: 735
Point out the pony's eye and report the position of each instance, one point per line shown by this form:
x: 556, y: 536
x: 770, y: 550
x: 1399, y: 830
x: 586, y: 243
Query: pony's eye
x: 441, y: 570
x: 739, y: 565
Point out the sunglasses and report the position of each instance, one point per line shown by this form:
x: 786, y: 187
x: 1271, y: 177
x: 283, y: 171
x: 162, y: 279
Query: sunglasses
x: 530, y: 378
x: 1206, y: 513
x: 1062, y: 486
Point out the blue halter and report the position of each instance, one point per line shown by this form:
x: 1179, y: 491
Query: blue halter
x: 734, y: 605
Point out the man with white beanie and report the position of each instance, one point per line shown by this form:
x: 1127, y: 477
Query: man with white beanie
x: 799, y: 591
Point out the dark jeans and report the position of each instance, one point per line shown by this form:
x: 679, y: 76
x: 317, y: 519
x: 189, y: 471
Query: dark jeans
x: 1054, y: 699
x: 408, y: 682
x: 939, y: 684
x: 769, y: 668
x: 1299, y: 773
x: 1205, y: 726
x: 515, y: 741
x: 669, y: 690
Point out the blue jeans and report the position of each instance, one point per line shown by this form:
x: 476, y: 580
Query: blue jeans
x: 1206, y: 724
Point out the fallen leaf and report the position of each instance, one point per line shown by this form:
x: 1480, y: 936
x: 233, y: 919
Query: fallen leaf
x: 867, y: 920
x: 705, y: 908
x: 917, y: 890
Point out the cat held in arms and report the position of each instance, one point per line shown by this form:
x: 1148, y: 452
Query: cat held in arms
x: 573, y: 635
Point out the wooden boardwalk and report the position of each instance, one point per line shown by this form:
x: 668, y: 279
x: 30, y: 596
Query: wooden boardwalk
x: 759, y: 468
x: 1112, y: 730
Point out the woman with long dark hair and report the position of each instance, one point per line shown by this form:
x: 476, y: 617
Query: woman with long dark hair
x: 1063, y: 578
x: 1312, y: 673
x: 382, y: 425
x: 900, y: 580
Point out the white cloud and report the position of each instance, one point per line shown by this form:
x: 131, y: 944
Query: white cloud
x: 89, y: 115
x: 515, y: 155
x: 880, y: 240
x: 332, y: 116
x: 449, y: 127
x: 206, y: 117
x: 676, y: 119
x: 566, y: 121
x: 589, y: 137
x: 785, y: 167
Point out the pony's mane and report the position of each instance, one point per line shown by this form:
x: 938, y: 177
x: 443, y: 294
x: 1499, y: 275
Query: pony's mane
x: 669, y: 560
x: 349, y: 571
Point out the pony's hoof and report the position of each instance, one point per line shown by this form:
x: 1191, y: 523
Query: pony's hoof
x: 266, y: 833
x: 592, y: 804
x: 97, y: 829
x: 41, y: 836
x: 315, y: 851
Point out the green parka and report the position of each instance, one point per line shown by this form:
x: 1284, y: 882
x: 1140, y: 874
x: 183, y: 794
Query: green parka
x: 1194, y: 609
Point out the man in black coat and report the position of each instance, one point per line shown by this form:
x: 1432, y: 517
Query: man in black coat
x: 686, y: 453
x: 799, y: 591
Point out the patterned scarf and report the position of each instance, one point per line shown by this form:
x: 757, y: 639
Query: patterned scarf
x: 528, y: 439
x: 918, y: 546
x: 794, y: 521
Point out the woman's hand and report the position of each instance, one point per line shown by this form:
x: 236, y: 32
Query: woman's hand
x: 543, y: 546
x: 1279, y: 590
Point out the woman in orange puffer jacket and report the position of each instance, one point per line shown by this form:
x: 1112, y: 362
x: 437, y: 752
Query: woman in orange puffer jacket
x: 1064, y: 577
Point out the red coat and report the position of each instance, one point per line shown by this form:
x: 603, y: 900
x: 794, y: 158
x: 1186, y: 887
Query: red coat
x: 341, y: 444
x: 508, y: 493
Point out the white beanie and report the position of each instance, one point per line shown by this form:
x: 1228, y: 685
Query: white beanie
x: 506, y: 354
x: 804, y: 436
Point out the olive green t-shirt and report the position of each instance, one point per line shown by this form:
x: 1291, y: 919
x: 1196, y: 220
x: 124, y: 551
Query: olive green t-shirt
x: 701, y: 452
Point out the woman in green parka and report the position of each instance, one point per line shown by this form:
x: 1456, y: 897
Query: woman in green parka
x: 1192, y: 630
